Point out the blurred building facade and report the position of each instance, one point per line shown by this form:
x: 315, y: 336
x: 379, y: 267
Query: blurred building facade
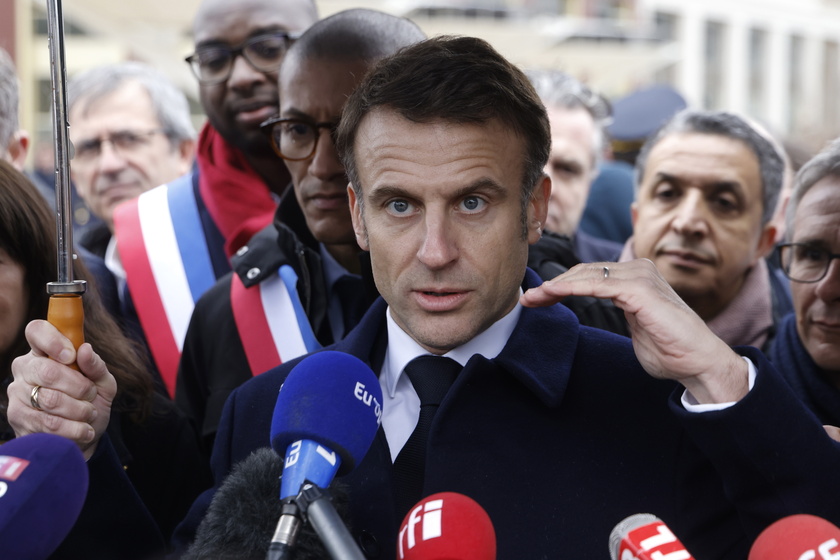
x: 775, y: 60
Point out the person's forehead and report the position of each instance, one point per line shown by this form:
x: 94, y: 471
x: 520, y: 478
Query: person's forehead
x: 818, y: 213
x: 232, y: 22
x: 129, y: 103
x: 391, y: 149
x: 712, y: 156
x: 564, y: 119
x: 315, y: 82
x: 572, y: 133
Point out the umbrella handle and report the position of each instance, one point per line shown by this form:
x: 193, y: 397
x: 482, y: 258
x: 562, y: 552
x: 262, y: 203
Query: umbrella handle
x: 66, y: 313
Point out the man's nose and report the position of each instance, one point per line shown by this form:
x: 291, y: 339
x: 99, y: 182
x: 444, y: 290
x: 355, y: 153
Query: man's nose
x: 828, y: 289
x: 691, y: 215
x: 110, y: 158
x: 243, y: 76
x: 439, y: 247
x: 325, y: 164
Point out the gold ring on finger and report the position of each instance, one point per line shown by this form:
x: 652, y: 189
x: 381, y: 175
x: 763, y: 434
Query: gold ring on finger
x: 33, y: 397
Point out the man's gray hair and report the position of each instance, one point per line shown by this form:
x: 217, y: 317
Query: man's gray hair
x: 9, y: 94
x: 169, y: 103
x: 558, y: 89
x: 824, y: 164
x: 771, y: 165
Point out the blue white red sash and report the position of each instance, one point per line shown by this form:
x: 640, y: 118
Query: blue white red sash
x: 167, y: 263
x: 271, y: 321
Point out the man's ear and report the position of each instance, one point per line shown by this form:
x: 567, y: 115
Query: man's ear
x: 766, y: 242
x: 186, y: 153
x: 356, y: 216
x: 18, y: 148
x: 538, y: 209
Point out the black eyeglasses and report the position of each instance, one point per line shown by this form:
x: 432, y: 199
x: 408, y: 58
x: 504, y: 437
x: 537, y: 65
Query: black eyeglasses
x: 214, y: 64
x: 122, y: 141
x: 295, y: 139
x: 805, y: 262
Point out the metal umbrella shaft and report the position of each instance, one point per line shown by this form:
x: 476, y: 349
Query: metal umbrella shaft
x: 64, y: 221
x: 65, y: 308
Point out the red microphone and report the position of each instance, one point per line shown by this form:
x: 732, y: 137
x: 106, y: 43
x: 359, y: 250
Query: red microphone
x: 798, y: 537
x: 447, y: 526
x: 645, y: 537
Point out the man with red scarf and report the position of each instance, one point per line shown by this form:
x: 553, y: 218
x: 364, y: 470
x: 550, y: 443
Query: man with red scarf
x: 175, y: 240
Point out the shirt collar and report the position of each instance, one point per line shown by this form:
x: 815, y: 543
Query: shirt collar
x: 402, y: 348
x: 332, y: 269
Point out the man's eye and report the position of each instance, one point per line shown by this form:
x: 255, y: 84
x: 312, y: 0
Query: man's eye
x: 399, y: 207
x: 214, y: 60
x: 126, y: 139
x: 810, y: 253
x: 665, y: 192
x: 726, y: 204
x: 86, y: 148
x: 267, y: 49
x: 473, y: 204
x: 297, y: 130
x: 563, y: 168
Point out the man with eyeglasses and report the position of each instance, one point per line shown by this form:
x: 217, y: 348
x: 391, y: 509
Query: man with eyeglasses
x: 807, y: 348
x: 298, y: 284
x: 176, y: 241
x: 706, y: 191
x: 131, y: 131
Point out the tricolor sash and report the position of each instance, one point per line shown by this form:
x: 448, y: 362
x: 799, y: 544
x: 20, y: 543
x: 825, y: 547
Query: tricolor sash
x: 270, y: 319
x: 167, y: 263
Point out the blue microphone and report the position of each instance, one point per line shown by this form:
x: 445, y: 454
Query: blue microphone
x: 327, y: 413
x: 43, y: 485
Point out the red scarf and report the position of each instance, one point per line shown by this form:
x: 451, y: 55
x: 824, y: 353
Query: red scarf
x: 238, y: 200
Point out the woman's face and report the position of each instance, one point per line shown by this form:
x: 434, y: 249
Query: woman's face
x: 14, y: 297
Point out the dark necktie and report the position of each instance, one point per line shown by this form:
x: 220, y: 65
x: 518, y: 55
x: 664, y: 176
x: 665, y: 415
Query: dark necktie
x: 352, y: 297
x: 431, y: 376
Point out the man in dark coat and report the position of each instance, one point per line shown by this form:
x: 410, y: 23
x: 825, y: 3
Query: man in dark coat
x: 807, y: 349
x: 557, y: 430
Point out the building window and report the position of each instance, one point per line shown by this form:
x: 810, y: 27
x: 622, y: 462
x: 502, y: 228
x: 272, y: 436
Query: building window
x: 831, y: 88
x: 665, y: 26
x: 714, y: 74
x: 757, y: 102
x: 795, y: 86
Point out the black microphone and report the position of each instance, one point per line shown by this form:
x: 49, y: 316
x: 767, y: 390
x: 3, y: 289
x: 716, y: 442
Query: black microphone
x: 240, y: 520
x: 326, y: 416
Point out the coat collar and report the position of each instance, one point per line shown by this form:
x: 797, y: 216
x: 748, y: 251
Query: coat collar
x: 543, y: 368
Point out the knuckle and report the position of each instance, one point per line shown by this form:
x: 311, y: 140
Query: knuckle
x: 49, y: 399
x: 49, y: 372
x: 51, y: 423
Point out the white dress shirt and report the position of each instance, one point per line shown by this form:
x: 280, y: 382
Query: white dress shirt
x: 401, y: 405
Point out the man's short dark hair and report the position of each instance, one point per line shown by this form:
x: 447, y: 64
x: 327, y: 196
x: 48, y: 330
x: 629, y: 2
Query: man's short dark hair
x: 451, y: 79
x: 770, y: 163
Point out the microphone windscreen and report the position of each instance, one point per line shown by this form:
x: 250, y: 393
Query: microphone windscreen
x: 797, y: 537
x: 447, y: 526
x: 43, y: 485
x: 644, y: 536
x: 242, y: 517
x: 333, y: 399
